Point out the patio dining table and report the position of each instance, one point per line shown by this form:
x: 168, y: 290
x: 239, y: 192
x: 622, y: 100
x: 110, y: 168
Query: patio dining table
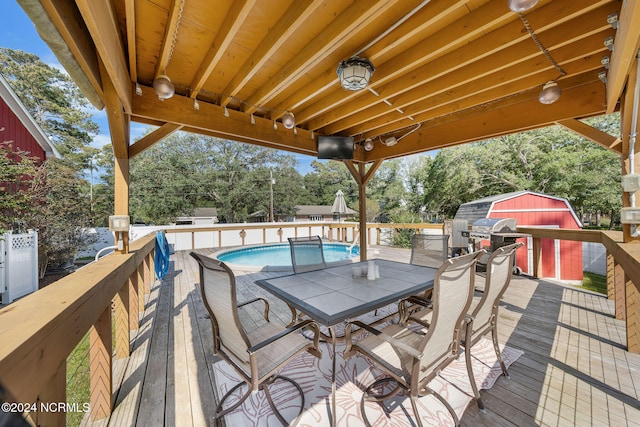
x: 333, y: 295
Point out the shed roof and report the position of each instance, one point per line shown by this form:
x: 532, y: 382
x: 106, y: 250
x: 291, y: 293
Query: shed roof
x: 481, y: 208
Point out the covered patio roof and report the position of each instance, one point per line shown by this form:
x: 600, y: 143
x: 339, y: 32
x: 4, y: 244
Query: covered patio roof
x: 446, y: 72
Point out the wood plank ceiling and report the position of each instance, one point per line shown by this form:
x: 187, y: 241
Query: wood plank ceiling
x: 447, y: 71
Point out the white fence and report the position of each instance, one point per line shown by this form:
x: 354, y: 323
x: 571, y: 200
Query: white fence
x: 18, y: 265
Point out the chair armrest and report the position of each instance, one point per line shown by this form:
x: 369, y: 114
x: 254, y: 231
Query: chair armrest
x: 388, y: 338
x: 284, y: 333
x: 414, y: 299
x: 266, y: 306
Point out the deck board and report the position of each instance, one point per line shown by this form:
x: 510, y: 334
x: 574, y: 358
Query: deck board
x: 574, y: 370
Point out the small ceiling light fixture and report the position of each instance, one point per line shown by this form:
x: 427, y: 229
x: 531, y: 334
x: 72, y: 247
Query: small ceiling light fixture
x: 368, y: 144
x: 288, y: 120
x: 550, y: 93
x: 354, y: 73
x: 520, y: 6
x: 163, y: 87
x: 226, y: 112
x: 253, y: 119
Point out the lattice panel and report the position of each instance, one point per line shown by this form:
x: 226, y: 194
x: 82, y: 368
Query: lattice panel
x: 22, y: 242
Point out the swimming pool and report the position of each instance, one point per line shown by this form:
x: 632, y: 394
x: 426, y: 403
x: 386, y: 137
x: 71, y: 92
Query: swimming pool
x: 277, y: 256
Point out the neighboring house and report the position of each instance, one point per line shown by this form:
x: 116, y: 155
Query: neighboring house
x: 18, y: 128
x: 201, y: 216
x: 304, y: 213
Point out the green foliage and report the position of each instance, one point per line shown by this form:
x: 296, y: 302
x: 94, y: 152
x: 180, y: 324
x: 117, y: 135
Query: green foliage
x: 186, y: 171
x: 551, y: 160
x: 18, y: 186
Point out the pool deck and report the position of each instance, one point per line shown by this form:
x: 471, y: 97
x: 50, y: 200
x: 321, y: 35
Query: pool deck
x: 574, y: 371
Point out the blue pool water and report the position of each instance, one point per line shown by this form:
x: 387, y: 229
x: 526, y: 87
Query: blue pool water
x: 280, y: 255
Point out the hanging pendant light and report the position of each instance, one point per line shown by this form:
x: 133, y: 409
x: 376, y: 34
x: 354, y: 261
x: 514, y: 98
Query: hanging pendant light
x: 550, y: 93
x: 520, y: 6
x: 163, y: 87
x: 288, y: 120
x: 354, y: 73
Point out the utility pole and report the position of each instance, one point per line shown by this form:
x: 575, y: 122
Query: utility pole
x: 271, y: 182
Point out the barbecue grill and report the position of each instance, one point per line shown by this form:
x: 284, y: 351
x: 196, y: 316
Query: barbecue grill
x: 497, y: 232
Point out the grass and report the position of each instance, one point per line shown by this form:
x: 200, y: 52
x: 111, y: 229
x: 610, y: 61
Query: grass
x: 78, y: 380
x: 594, y: 282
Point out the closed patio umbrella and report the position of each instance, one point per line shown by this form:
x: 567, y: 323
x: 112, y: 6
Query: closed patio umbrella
x: 339, y: 205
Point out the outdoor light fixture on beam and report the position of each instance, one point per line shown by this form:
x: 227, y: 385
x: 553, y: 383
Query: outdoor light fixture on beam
x: 354, y: 73
x: 550, y: 93
x: 520, y: 6
x: 288, y: 120
x: 163, y: 87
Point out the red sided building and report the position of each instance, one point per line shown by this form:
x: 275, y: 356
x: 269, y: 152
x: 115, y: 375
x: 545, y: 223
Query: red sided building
x: 18, y: 128
x: 562, y: 260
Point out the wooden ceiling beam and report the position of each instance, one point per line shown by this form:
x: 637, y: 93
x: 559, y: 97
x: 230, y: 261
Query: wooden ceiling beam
x: 118, y: 120
x: 277, y: 38
x: 429, y: 50
x: 426, y: 19
x: 331, y: 38
x: 596, y: 135
x: 130, y: 17
x: 458, y: 89
x: 100, y: 19
x: 167, y: 41
x: 152, y: 138
x: 469, y: 59
x: 502, y: 119
x: 232, y: 23
x: 625, y: 49
x: 63, y: 15
x: 210, y: 119
x: 512, y: 92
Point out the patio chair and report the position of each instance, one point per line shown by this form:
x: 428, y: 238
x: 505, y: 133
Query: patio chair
x: 411, y: 359
x: 429, y: 250
x: 484, y: 311
x: 306, y: 254
x: 258, y: 354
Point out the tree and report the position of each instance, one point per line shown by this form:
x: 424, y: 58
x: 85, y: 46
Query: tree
x: 551, y: 160
x: 55, y: 103
x: 50, y: 196
x: 186, y: 171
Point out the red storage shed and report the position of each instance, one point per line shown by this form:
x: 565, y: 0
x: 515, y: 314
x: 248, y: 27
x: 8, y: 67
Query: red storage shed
x: 18, y: 128
x: 562, y: 260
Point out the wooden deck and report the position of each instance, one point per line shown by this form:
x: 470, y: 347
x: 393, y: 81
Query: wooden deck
x: 574, y: 370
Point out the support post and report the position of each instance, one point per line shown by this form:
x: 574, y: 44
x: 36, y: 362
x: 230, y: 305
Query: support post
x: 100, y: 366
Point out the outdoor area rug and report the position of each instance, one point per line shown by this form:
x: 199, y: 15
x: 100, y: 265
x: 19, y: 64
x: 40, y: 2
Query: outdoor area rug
x: 352, y: 377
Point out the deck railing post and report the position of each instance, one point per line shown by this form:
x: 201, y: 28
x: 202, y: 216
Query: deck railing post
x: 100, y: 366
x: 134, y: 317
x: 611, y: 276
x: 537, y: 257
x: 140, y: 279
x: 54, y: 393
x: 121, y: 310
x: 632, y: 299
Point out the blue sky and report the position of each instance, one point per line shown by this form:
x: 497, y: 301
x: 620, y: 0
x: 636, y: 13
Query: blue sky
x: 18, y: 32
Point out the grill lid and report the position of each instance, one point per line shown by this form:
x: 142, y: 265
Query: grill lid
x: 494, y: 225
